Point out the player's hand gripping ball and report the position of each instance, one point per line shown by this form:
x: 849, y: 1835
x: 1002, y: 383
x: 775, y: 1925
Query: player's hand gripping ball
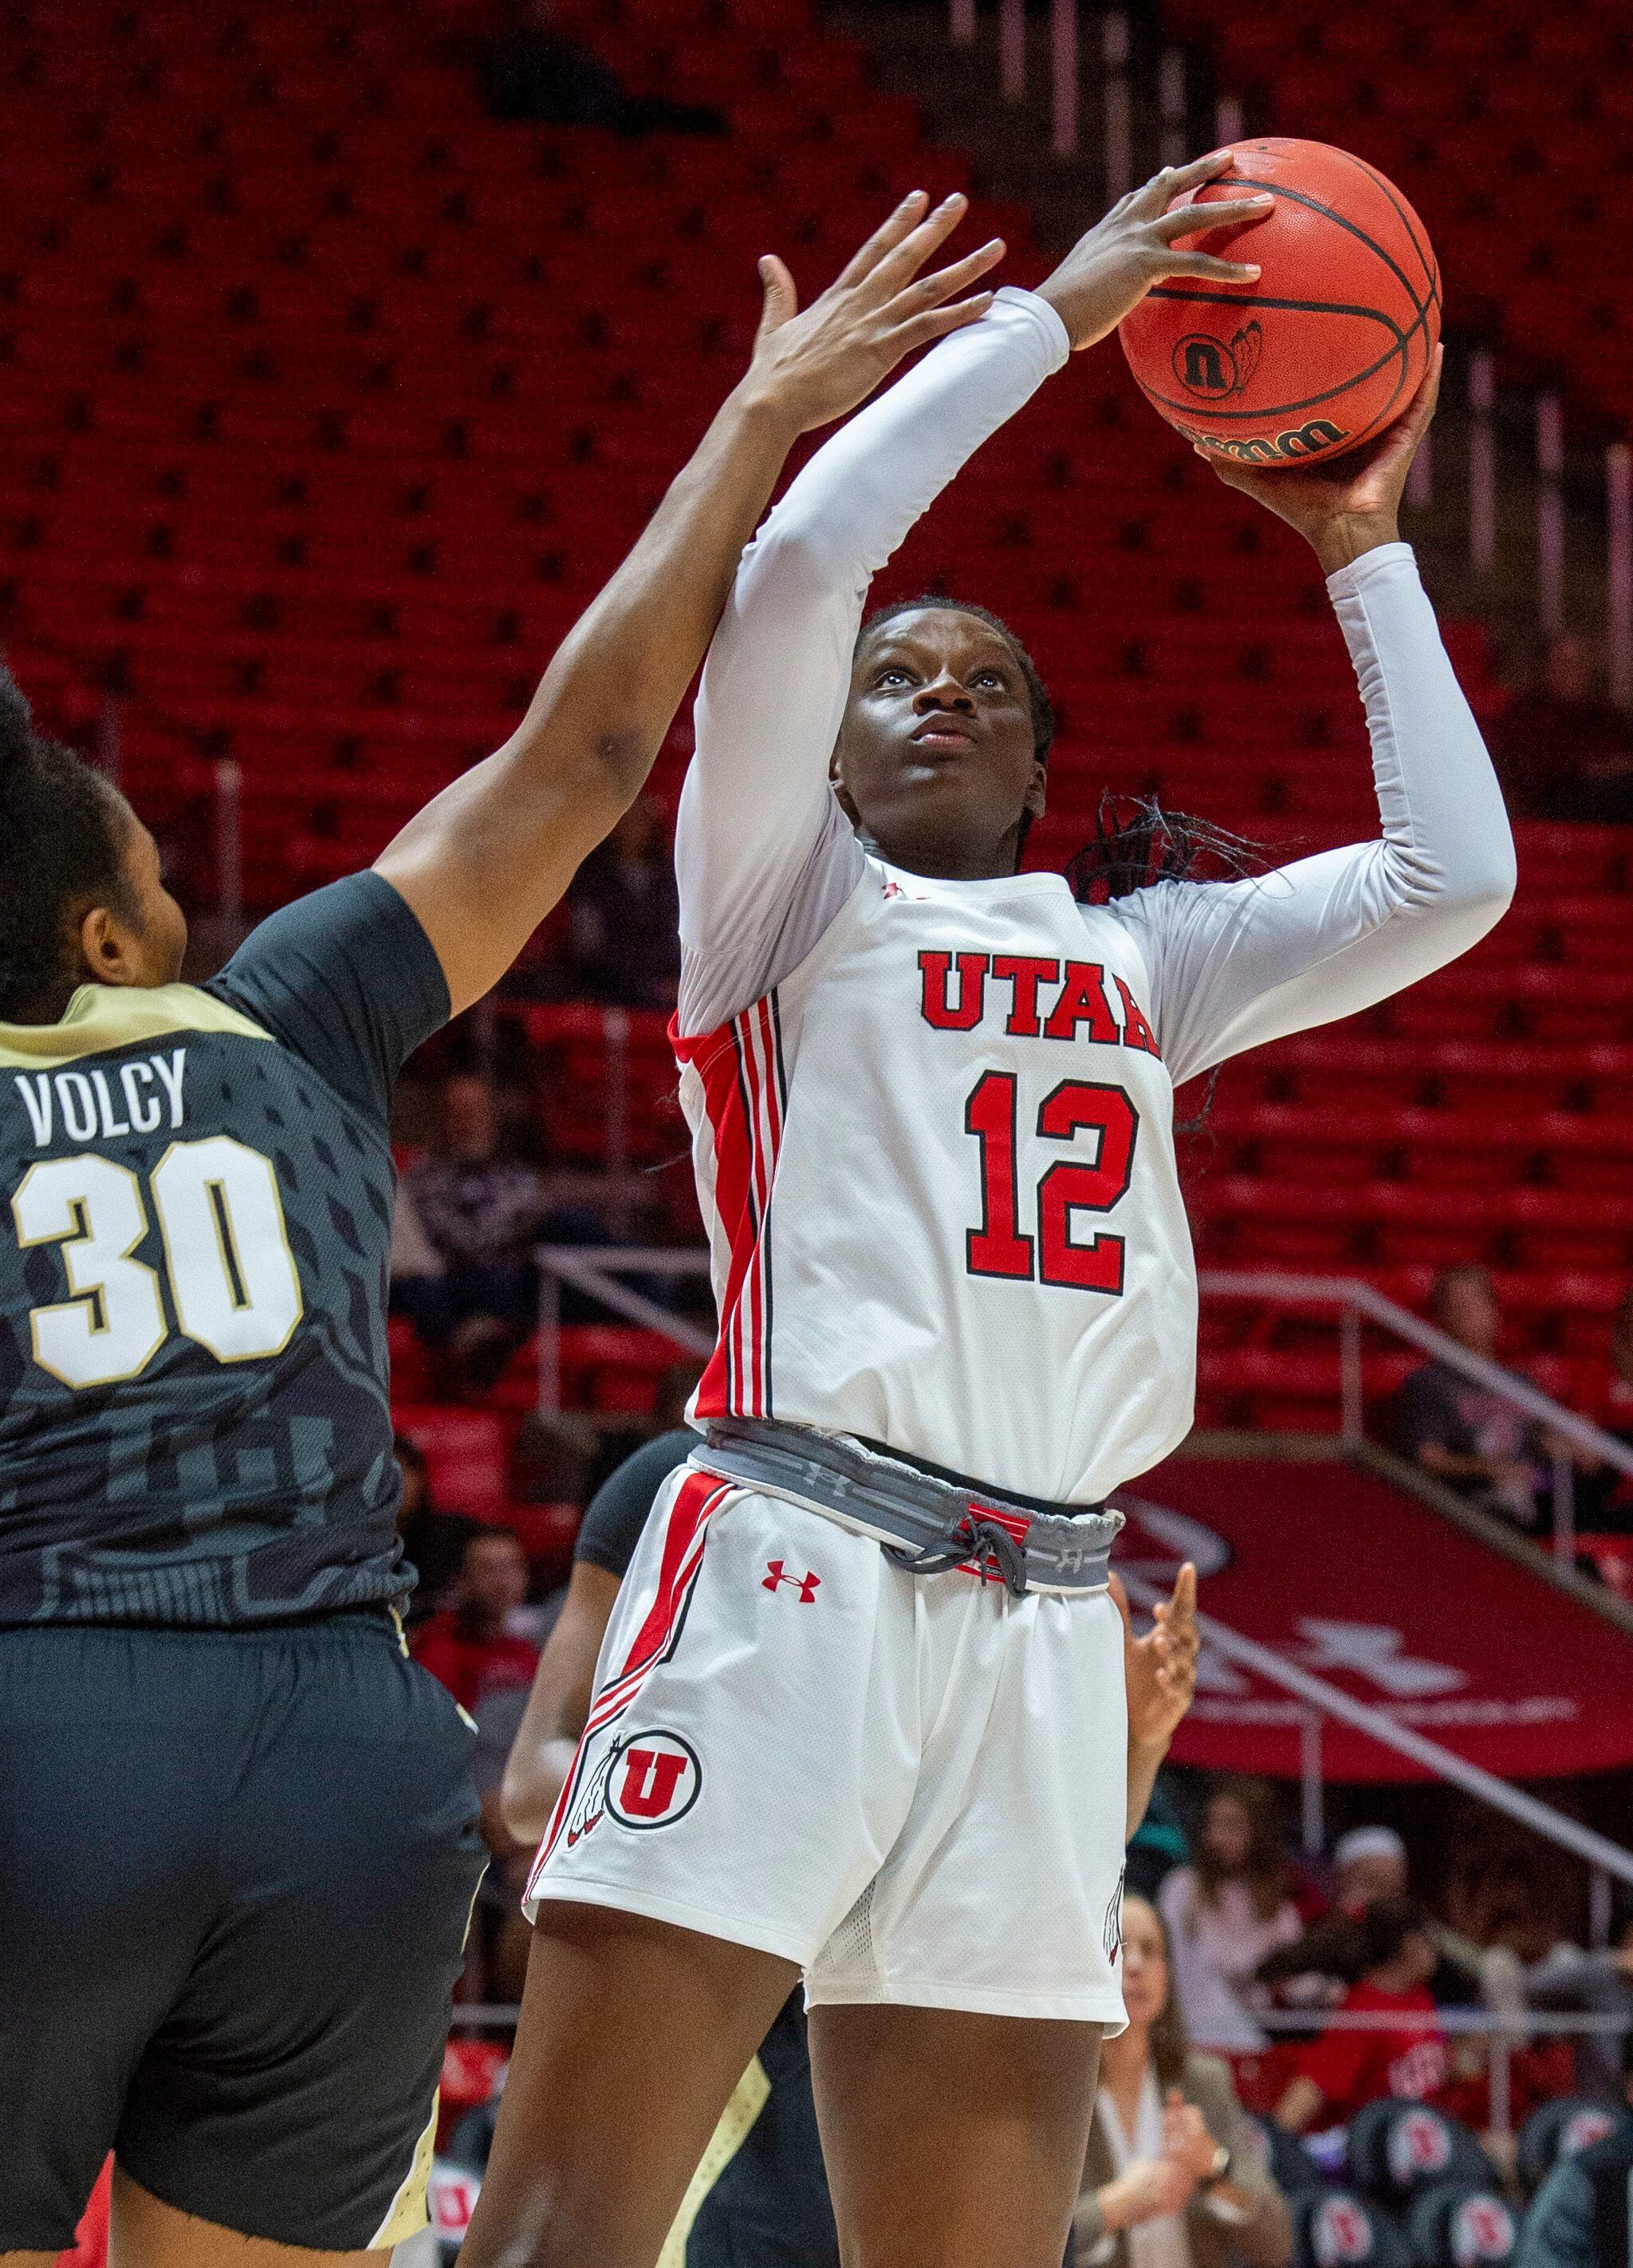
x: 1329, y: 342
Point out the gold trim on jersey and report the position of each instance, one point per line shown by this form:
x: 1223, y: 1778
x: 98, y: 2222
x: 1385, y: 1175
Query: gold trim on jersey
x: 410, y: 2211
x: 748, y: 2099
x: 102, y: 1017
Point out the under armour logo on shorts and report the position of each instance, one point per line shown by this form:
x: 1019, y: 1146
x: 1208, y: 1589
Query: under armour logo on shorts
x: 805, y: 1584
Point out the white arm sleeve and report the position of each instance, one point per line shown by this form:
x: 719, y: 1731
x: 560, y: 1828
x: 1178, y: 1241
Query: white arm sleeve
x: 1233, y: 964
x: 764, y: 856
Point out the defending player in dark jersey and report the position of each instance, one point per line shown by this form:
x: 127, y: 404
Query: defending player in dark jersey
x: 760, y: 2198
x: 240, y: 1839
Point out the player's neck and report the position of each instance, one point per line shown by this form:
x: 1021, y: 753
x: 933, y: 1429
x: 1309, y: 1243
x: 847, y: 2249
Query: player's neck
x: 953, y: 862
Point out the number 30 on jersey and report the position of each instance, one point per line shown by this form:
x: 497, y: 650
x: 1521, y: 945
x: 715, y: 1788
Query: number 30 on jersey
x: 232, y: 1274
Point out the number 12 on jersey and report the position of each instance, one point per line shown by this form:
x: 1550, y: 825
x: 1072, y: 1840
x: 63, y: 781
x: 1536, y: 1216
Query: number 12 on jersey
x: 1000, y: 1246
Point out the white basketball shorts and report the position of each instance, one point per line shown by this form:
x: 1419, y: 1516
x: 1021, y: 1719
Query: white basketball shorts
x: 913, y: 1786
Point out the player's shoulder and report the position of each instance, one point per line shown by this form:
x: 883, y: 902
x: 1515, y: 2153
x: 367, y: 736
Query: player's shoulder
x: 102, y: 1019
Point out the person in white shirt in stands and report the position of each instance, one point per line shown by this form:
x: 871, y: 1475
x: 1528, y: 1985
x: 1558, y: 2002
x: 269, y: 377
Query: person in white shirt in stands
x: 860, y: 1708
x: 1227, y: 1911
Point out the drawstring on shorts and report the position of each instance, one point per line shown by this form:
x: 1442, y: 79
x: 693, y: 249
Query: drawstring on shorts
x: 980, y: 1542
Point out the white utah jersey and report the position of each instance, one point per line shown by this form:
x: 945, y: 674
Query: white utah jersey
x: 937, y: 1162
x: 933, y: 1119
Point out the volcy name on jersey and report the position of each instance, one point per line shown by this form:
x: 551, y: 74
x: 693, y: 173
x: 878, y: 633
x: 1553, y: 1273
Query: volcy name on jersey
x: 131, y: 1098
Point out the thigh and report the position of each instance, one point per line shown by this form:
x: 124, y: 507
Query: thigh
x: 952, y: 2139
x: 108, y: 1809
x: 142, y: 2233
x: 754, y: 1737
x: 633, y: 2036
x: 290, y: 2094
x: 1003, y: 1892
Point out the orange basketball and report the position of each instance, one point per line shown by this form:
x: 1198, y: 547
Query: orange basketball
x: 1332, y: 340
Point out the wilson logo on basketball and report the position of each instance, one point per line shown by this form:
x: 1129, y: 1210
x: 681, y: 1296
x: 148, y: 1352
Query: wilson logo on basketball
x: 1206, y: 365
x: 655, y: 1779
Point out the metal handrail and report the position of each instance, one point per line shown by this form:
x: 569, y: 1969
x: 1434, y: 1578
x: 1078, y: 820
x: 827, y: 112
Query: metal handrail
x: 1355, y: 1298
x: 1352, y: 1292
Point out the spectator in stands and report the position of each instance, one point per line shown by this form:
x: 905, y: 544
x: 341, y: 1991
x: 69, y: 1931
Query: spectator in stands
x: 1159, y: 1843
x: 1344, y: 2069
x: 1369, y: 1864
x: 1171, y: 2176
x: 532, y: 71
x: 1590, y: 1984
x: 1582, y: 2216
x: 625, y: 914
x: 1604, y: 1495
x: 1468, y: 1438
x: 480, y: 1214
x: 1226, y: 1911
x: 1561, y: 751
x: 467, y: 1646
x: 433, y: 1541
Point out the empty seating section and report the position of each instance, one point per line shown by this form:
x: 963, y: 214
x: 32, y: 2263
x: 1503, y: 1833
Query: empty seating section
x: 1510, y: 128
x: 327, y: 402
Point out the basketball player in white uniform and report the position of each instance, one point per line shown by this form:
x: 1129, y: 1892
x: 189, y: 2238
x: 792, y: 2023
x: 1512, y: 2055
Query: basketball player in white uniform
x: 860, y: 1710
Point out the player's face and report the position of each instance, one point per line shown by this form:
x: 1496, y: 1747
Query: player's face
x: 935, y: 759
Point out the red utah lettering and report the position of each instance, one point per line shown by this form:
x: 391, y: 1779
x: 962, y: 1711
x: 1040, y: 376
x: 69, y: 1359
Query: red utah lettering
x: 1024, y: 972
x: 1082, y: 1001
x: 1137, y: 1032
x: 935, y: 1005
x: 651, y: 1776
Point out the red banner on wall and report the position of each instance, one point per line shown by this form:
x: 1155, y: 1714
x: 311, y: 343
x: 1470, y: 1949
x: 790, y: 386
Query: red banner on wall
x: 1368, y: 1588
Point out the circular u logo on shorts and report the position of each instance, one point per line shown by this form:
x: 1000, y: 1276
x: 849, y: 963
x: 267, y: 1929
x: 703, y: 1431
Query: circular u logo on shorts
x: 655, y: 1779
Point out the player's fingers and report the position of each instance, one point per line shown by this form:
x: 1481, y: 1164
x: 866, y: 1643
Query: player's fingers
x: 904, y: 260
x: 1201, y: 220
x: 1184, y: 1600
x: 1176, y: 181
x: 921, y: 329
x: 1207, y: 270
x: 780, y: 300
x: 946, y: 282
x: 884, y: 238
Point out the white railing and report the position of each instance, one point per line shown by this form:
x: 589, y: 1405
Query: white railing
x: 1357, y: 1301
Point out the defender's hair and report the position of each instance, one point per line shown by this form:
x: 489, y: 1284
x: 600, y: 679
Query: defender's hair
x: 63, y: 835
x: 1136, y: 841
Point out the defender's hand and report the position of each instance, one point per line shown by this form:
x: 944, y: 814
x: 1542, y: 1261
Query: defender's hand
x: 812, y: 366
x: 1160, y: 1669
x: 1112, y: 268
x: 1343, y: 505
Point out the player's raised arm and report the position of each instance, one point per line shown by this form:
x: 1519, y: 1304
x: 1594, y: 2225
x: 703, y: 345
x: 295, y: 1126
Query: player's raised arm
x: 486, y: 861
x: 1236, y: 964
x: 759, y: 829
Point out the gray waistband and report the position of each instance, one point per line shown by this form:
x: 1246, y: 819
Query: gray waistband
x: 929, y: 1523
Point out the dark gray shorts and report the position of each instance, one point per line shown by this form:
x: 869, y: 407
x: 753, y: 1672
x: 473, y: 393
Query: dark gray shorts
x: 235, y: 1873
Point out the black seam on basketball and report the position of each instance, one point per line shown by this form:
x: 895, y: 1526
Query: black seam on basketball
x: 1403, y: 340
x: 1289, y: 408
x: 1424, y: 251
x: 1314, y: 204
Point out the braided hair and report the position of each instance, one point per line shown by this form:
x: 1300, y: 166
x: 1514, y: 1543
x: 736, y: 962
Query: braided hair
x: 63, y: 830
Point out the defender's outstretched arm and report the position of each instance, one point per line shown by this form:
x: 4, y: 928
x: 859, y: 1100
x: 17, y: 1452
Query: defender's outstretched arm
x: 487, y: 859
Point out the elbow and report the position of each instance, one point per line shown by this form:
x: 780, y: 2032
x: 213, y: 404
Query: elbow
x: 622, y: 756
x: 794, y: 561
x: 526, y: 1815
